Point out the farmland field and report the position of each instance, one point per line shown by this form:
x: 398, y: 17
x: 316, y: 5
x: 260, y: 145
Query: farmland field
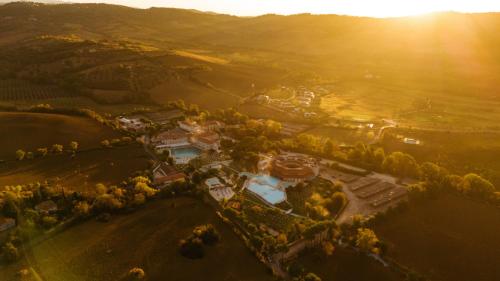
x: 146, y: 238
x: 423, y: 237
x: 78, y: 103
x: 81, y: 173
x: 29, y: 131
x: 347, y: 265
x: 23, y: 90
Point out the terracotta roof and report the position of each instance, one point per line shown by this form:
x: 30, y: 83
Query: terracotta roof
x: 171, y: 134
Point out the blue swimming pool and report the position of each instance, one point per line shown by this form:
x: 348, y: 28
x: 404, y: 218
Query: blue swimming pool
x: 266, y: 187
x: 185, y: 154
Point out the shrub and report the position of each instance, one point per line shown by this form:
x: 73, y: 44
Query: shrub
x: 20, y: 154
x: 207, y: 233
x: 192, y: 248
x: 136, y: 273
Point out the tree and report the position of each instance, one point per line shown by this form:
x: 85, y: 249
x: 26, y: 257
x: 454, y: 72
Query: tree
x: 402, y: 164
x: 49, y: 221
x: 42, y: 151
x: 74, y: 146
x: 327, y: 248
x: 310, y: 277
x: 207, y: 233
x: 336, y: 203
x: 81, y: 209
x: 57, y: 148
x: 136, y: 273
x: 105, y: 144
x: 477, y: 186
x: 10, y: 252
x: 139, y: 199
x: 329, y: 147
x: 20, y: 154
x: 366, y: 240
x: 192, y: 248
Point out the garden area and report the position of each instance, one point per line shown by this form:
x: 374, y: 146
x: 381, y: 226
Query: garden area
x: 318, y: 199
x: 154, y: 233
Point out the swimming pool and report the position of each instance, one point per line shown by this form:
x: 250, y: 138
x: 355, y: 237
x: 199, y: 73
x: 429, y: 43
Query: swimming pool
x: 185, y: 154
x: 266, y: 187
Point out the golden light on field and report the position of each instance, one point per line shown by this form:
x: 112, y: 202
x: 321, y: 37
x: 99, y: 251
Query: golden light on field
x: 373, y: 8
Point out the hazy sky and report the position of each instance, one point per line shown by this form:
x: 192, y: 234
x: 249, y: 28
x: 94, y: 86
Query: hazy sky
x: 377, y: 8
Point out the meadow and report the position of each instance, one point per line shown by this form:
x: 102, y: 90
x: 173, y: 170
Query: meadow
x: 147, y: 238
x: 448, y: 238
x: 91, y: 165
x: 347, y: 265
x: 109, y: 166
x: 29, y: 131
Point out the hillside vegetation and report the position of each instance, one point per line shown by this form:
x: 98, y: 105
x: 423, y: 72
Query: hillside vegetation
x: 161, y: 54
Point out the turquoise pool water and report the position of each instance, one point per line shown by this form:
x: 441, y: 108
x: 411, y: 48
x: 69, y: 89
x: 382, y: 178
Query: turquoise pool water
x: 267, y: 187
x: 184, y: 154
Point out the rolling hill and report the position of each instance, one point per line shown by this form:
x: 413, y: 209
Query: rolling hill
x: 377, y: 65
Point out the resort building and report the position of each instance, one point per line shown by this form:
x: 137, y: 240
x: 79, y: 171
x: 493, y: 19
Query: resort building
x: 131, y: 124
x: 294, y: 168
x: 6, y: 223
x: 411, y: 141
x: 218, y: 190
x: 170, y: 139
x: 164, y: 174
x: 206, y: 141
x: 46, y: 207
x: 190, y: 126
x: 213, y: 125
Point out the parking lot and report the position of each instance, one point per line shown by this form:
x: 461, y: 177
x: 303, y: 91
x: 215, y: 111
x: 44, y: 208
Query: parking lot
x: 367, y: 194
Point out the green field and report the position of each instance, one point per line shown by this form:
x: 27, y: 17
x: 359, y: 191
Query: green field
x: 347, y: 265
x: 29, y: 131
x: 446, y: 239
x: 92, y: 165
x: 147, y: 238
x: 81, y: 173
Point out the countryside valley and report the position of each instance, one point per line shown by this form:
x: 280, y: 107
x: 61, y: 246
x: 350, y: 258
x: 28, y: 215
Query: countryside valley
x: 161, y: 143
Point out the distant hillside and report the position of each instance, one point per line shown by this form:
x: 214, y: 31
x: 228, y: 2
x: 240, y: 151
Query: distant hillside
x: 441, y: 56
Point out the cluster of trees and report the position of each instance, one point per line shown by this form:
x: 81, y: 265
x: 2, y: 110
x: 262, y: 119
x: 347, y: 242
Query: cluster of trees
x: 193, y: 246
x: 359, y: 235
x: 43, y: 151
x: 436, y: 179
x: 246, y: 152
x: 116, y: 142
x: 325, y: 201
x: 260, y: 240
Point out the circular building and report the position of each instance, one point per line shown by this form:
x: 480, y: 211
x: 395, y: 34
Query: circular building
x: 293, y: 168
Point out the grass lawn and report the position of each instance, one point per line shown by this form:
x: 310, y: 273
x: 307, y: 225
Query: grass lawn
x: 29, y: 131
x: 461, y: 153
x: 346, y: 265
x: 449, y: 239
x: 82, y: 173
x: 147, y: 238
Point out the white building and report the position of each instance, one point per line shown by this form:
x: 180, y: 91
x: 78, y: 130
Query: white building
x: 411, y: 141
x: 218, y: 190
x: 131, y: 124
x: 170, y: 139
x: 190, y: 126
x: 206, y: 141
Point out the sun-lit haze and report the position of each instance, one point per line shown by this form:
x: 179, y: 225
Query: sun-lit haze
x: 374, y: 8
